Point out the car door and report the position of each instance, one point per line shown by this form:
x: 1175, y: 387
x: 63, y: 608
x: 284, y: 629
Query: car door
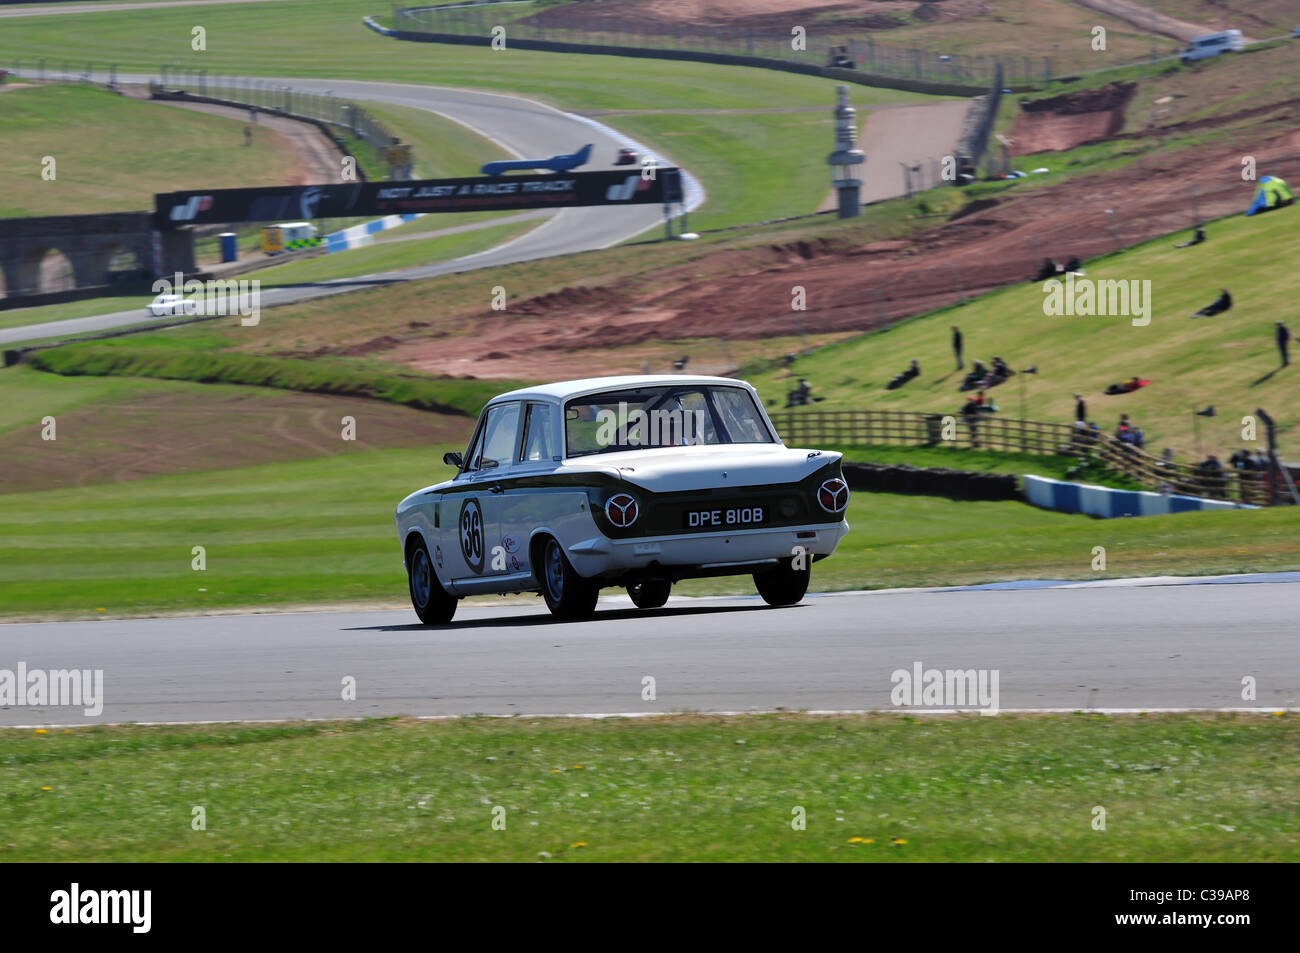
x: 529, y: 495
x: 470, y: 514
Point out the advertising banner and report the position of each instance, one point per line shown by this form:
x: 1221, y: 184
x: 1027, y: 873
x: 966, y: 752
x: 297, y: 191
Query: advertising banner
x: 478, y: 194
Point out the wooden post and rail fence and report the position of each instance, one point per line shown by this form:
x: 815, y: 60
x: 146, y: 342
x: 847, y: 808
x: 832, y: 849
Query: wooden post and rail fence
x: 856, y: 428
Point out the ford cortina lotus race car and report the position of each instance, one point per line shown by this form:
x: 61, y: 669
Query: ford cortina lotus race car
x: 635, y: 482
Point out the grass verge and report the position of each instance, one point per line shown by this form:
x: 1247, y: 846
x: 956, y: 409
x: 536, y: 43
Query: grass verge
x: 883, y: 788
x: 320, y: 531
x: 156, y: 356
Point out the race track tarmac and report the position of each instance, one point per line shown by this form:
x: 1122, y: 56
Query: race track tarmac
x: 1090, y: 648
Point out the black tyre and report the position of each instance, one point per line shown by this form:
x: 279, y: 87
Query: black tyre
x: 783, y: 585
x: 567, y: 594
x: 650, y: 593
x: 432, y: 603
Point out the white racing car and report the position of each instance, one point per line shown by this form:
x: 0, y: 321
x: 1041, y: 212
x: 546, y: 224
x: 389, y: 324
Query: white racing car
x: 621, y: 481
x: 168, y: 304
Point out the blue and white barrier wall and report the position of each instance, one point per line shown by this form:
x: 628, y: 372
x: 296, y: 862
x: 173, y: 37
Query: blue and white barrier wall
x: 360, y: 235
x: 1106, y: 502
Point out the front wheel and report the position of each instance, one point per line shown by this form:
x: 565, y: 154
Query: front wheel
x: 783, y: 585
x: 433, y: 604
x: 650, y: 593
x: 567, y: 594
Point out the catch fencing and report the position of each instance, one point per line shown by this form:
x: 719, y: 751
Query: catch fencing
x: 280, y: 99
x: 264, y: 95
x: 809, y: 49
x: 858, y: 428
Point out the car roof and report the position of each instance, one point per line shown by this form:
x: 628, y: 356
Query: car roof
x: 563, y: 390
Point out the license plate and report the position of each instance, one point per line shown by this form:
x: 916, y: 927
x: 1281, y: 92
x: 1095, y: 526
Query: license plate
x: 725, y: 517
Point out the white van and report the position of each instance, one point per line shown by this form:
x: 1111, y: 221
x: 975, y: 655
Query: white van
x: 1212, y: 44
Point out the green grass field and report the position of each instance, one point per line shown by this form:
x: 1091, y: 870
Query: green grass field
x: 326, y: 37
x: 320, y: 531
x: 1228, y: 361
x: 204, y: 361
x: 101, y: 141
x: 880, y: 788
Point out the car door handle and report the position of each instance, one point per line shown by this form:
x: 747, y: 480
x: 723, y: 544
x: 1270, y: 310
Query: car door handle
x: 497, y: 488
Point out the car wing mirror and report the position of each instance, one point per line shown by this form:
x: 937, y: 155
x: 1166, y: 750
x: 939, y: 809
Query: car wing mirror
x: 452, y: 459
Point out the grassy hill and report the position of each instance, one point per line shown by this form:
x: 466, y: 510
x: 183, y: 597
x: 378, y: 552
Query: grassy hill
x: 1227, y: 361
x: 100, y: 142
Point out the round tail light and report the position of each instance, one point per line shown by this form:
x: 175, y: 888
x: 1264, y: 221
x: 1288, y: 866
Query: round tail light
x: 833, y: 495
x: 621, y: 510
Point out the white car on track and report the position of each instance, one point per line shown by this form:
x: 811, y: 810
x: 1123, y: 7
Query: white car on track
x: 621, y: 481
x: 171, y: 304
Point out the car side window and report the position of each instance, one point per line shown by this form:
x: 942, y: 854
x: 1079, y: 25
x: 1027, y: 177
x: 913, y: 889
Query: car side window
x: 536, y: 446
x: 495, y: 449
x: 474, y: 450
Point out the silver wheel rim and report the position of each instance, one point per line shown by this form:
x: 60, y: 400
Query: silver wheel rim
x: 554, y: 572
x: 421, y: 578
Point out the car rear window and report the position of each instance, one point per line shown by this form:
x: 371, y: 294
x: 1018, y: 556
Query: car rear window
x: 662, y: 416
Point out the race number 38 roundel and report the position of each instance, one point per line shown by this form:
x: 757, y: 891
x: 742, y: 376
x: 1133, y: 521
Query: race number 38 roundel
x: 471, y: 534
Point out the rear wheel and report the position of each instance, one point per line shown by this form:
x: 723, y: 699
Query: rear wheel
x: 432, y: 603
x: 783, y: 585
x: 650, y: 593
x: 567, y: 594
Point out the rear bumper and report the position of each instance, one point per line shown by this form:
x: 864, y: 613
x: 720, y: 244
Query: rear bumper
x: 682, y: 556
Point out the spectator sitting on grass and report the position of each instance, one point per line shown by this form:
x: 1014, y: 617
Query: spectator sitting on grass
x: 913, y: 371
x: 979, y: 404
x: 977, y: 373
x: 800, y: 396
x: 1130, y: 385
x: 1221, y: 304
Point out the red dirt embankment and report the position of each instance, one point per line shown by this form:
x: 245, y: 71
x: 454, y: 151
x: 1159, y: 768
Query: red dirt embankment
x: 747, y: 293
x: 1063, y: 122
